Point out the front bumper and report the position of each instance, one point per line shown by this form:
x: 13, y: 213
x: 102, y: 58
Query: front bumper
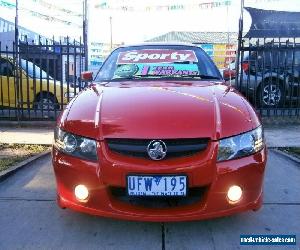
x: 201, y: 169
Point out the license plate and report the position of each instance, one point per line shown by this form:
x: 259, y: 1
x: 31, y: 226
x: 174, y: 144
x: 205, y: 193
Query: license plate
x: 156, y: 185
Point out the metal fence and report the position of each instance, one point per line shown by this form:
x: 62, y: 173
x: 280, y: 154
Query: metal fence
x: 38, y: 80
x: 269, y: 75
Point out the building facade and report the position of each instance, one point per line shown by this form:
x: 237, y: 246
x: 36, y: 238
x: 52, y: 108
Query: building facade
x: 220, y: 46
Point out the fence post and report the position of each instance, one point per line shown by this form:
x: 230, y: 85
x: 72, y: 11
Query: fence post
x: 240, y: 36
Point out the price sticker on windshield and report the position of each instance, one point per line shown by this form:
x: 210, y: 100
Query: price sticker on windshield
x: 153, y: 69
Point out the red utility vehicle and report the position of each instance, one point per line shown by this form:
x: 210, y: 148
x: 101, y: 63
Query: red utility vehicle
x: 159, y: 136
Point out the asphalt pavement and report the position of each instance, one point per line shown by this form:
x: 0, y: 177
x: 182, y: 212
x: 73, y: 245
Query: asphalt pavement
x: 30, y: 218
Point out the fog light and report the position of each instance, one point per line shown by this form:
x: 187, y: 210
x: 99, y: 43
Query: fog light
x: 234, y: 193
x: 81, y: 192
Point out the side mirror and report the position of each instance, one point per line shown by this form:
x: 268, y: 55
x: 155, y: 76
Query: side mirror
x: 87, y: 76
x: 229, y: 74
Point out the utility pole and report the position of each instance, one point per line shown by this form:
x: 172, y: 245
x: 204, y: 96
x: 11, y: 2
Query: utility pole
x: 85, y: 35
x: 17, y: 23
x: 16, y: 58
x: 228, y: 47
x: 240, y: 37
x: 111, y: 37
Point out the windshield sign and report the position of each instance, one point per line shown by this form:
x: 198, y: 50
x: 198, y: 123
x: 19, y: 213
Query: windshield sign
x: 156, y: 56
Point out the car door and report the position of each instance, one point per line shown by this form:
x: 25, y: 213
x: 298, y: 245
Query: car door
x: 26, y: 86
x: 7, y: 83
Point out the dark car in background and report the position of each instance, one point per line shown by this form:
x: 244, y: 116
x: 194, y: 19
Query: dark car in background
x: 269, y: 78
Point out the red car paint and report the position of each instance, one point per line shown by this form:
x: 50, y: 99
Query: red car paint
x: 159, y: 110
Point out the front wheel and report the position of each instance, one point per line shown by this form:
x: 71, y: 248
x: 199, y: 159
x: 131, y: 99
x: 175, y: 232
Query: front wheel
x: 46, y: 101
x: 270, y: 94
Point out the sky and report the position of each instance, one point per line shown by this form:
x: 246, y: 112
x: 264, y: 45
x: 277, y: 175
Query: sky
x: 131, y: 27
x: 140, y: 26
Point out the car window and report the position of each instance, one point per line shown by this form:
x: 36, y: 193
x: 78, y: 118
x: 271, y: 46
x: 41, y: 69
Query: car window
x: 6, y: 68
x: 275, y: 59
x: 156, y: 62
x: 33, y: 70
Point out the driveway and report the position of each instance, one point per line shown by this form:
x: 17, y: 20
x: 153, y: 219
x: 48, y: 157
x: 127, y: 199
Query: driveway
x: 30, y: 219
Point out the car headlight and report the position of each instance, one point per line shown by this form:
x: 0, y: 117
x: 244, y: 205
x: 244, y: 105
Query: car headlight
x: 241, y: 145
x: 75, y: 145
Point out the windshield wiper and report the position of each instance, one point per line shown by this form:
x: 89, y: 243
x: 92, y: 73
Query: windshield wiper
x: 134, y: 77
x: 149, y: 76
x: 126, y: 78
x: 193, y: 76
x: 201, y: 76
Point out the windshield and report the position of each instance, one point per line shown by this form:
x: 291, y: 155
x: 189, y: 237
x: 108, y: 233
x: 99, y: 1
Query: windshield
x: 33, y: 71
x: 155, y: 62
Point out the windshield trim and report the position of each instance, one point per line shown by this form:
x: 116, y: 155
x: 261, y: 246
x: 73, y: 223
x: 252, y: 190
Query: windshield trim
x: 160, y: 78
x: 151, y: 46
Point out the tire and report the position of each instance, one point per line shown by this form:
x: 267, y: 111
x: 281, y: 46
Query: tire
x: 45, y: 101
x: 270, y: 94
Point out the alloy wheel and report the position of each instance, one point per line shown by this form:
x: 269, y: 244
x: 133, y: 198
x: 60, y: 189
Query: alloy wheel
x: 271, y: 95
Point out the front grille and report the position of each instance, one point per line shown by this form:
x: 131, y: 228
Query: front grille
x: 194, y: 195
x: 175, y: 147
